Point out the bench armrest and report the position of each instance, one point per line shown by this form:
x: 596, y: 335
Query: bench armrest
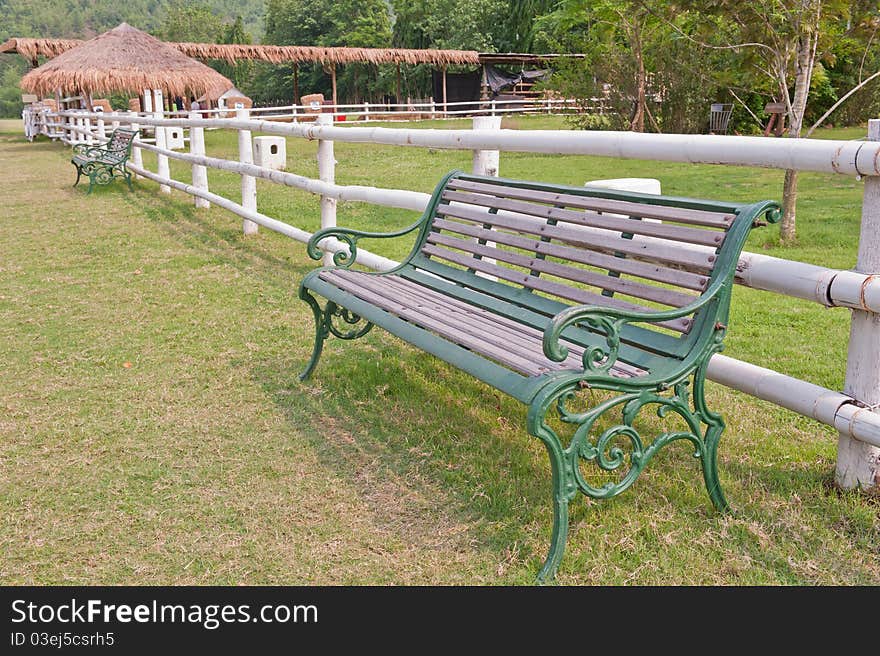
x: 610, y: 321
x: 87, y: 150
x: 350, y: 238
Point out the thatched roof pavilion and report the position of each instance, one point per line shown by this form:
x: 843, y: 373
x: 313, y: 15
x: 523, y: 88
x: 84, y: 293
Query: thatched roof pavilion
x: 233, y: 52
x: 123, y: 59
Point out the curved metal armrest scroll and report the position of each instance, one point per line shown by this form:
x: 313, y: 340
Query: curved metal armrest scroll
x: 350, y: 237
x: 610, y: 321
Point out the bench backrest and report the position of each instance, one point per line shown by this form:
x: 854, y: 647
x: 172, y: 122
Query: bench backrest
x: 121, y: 140
x: 574, y: 245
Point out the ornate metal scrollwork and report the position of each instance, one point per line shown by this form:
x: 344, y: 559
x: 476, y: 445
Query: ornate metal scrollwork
x: 348, y: 317
x: 606, y: 451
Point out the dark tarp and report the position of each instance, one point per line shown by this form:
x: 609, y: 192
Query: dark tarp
x: 497, y: 79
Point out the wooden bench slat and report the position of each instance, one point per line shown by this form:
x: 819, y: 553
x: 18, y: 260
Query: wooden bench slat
x: 462, y: 324
x: 549, y: 287
x: 667, y: 231
x: 640, y: 346
x: 622, y: 265
x: 667, y: 253
x: 661, y: 295
x: 518, y: 330
x: 629, y: 208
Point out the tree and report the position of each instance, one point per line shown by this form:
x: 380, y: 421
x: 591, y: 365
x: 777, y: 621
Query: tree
x: 185, y: 21
x: 784, y: 41
x: 240, y: 72
x: 626, y: 46
x: 355, y: 23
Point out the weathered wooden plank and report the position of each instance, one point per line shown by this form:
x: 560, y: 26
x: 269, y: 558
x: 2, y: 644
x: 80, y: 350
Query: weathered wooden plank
x: 601, y: 281
x: 550, y: 287
x: 509, y: 342
x: 641, y: 346
x: 668, y: 231
x: 446, y: 325
x: 638, y: 268
x: 629, y: 208
x: 517, y: 331
x: 596, y: 239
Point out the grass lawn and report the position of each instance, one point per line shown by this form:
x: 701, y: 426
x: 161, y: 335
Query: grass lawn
x: 153, y: 430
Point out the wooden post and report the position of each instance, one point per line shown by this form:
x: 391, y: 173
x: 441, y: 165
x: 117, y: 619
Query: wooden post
x: 486, y: 162
x: 248, y: 182
x: 295, y: 85
x: 444, y: 92
x: 199, y: 172
x: 162, y: 168
x: 137, y: 157
x: 333, y: 81
x: 399, y: 97
x: 326, y: 173
x: 858, y: 463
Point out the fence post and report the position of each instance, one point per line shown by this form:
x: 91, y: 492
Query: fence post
x: 136, y: 157
x: 114, y: 123
x: 199, y: 172
x: 162, y: 168
x: 248, y: 182
x: 295, y: 119
x: 366, y: 111
x: 433, y: 108
x: 858, y: 463
x: 326, y: 173
x: 87, y: 126
x: 102, y: 131
x: 493, y: 107
x: 486, y: 162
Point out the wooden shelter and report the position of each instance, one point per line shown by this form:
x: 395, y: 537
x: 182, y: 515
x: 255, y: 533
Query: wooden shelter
x: 329, y: 57
x: 123, y: 59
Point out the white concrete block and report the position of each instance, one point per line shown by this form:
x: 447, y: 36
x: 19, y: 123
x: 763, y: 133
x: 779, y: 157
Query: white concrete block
x: 640, y: 185
x: 174, y: 138
x: 270, y: 152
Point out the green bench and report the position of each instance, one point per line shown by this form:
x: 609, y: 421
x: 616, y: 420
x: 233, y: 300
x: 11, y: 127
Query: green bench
x: 544, y: 291
x: 106, y: 162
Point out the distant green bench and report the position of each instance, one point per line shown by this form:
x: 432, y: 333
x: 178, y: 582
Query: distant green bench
x: 106, y: 162
x: 543, y: 291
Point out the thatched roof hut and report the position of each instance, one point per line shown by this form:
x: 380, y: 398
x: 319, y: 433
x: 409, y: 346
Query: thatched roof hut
x: 123, y: 59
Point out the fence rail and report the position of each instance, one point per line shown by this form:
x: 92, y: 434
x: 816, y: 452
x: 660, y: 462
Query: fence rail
x: 853, y: 417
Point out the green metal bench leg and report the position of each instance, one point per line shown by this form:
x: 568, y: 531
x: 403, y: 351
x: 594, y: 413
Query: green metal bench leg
x: 710, y: 468
x: 128, y: 179
x: 78, y: 175
x: 321, y: 332
x: 561, y: 497
x: 324, y: 327
x: 715, y: 427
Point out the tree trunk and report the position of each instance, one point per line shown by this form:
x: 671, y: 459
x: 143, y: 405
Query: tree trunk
x: 787, y: 227
x: 638, y: 120
x: 806, y: 59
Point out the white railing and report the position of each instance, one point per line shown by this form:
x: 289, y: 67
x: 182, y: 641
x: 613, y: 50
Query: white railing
x: 852, y: 413
x: 367, y: 111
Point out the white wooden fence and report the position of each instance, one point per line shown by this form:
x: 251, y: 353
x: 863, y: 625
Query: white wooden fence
x: 851, y: 412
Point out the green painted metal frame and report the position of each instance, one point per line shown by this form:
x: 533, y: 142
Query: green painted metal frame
x: 101, y: 164
x: 675, y: 383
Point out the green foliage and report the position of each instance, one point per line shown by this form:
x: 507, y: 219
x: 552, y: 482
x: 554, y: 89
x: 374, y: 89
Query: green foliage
x: 193, y: 22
